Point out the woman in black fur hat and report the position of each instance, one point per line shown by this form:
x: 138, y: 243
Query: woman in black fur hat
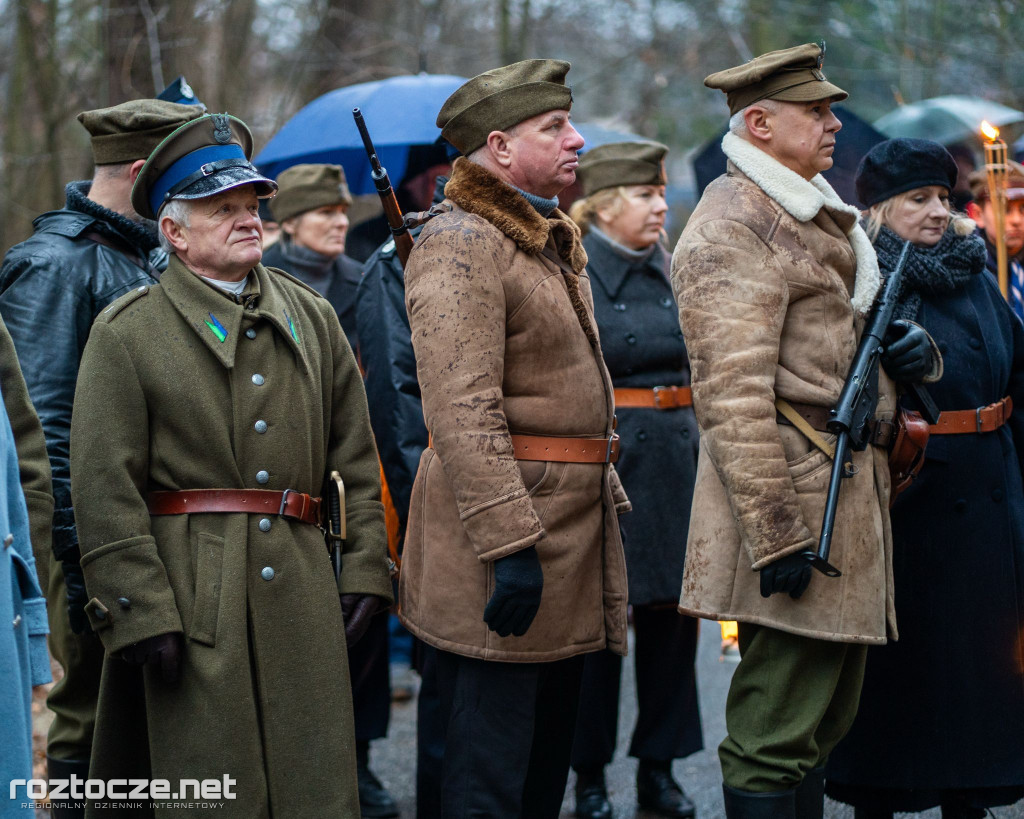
x: 941, y: 710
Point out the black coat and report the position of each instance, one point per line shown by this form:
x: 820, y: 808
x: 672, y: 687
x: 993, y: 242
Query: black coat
x: 944, y: 706
x: 643, y: 347
x: 342, y: 276
x: 52, y: 286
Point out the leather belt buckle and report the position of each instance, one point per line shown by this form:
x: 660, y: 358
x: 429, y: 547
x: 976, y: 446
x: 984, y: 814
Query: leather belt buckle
x: 977, y: 420
x: 658, y: 393
x: 283, y: 511
x: 612, y: 453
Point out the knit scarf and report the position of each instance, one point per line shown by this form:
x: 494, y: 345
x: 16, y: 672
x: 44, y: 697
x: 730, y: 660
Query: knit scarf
x: 141, y: 234
x: 938, y: 270
x: 315, y: 269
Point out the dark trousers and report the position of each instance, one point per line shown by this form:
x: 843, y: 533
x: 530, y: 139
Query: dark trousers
x: 370, y: 670
x: 429, y: 734
x: 668, y: 720
x: 508, y: 736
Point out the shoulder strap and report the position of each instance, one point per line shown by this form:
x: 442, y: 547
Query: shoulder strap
x: 797, y: 420
x: 121, y: 247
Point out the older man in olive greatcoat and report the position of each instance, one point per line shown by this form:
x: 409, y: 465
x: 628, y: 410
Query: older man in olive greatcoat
x: 773, y: 276
x: 211, y: 410
x: 513, y: 564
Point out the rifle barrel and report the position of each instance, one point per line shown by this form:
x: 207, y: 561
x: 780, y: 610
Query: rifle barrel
x: 371, y: 152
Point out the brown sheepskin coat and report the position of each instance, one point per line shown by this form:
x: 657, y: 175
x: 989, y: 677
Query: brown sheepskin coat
x: 506, y: 342
x: 773, y: 277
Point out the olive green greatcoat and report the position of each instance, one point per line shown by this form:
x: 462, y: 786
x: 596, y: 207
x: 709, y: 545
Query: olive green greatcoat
x: 162, y: 404
x: 506, y: 341
x: 33, y: 462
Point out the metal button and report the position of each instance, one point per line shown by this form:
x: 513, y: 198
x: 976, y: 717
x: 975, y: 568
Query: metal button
x: 17, y: 620
x: 260, y: 426
x: 684, y: 432
x: 267, y: 573
x: 630, y: 338
x: 641, y: 436
x: 264, y: 524
x: 667, y: 302
x: 8, y: 540
x: 250, y: 333
x: 100, y: 614
x: 619, y: 307
x: 258, y: 379
x: 262, y: 476
x: 124, y: 602
x: 975, y: 344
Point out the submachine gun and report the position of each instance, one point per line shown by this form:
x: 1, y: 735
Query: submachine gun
x: 850, y: 419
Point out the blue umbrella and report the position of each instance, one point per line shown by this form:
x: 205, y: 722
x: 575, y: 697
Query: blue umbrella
x: 399, y: 112
x: 596, y: 135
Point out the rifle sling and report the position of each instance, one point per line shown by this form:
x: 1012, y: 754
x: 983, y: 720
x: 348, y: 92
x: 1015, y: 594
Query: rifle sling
x: 788, y: 411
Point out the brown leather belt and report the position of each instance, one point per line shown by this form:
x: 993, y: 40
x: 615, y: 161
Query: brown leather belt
x: 982, y: 419
x: 882, y: 432
x: 661, y: 398
x: 287, y: 504
x: 566, y: 450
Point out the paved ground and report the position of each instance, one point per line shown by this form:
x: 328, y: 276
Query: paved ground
x: 393, y: 759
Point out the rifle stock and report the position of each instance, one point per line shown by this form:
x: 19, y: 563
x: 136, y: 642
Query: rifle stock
x: 392, y: 211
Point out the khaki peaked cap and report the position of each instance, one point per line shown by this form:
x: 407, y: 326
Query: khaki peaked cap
x: 502, y: 97
x: 303, y: 188
x: 791, y: 75
x: 622, y: 163
x: 130, y: 131
x: 978, y: 181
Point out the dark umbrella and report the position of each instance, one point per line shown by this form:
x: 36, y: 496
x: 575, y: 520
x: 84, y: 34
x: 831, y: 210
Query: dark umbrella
x: 948, y: 119
x: 400, y: 112
x: 853, y: 141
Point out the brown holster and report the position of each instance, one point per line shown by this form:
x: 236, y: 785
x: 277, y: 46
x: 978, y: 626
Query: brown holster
x: 906, y: 457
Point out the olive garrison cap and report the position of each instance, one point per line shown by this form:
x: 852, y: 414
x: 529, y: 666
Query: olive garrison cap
x: 131, y: 130
x: 302, y: 188
x: 900, y: 165
x: 622, y: 163
x: 978, y: 180
x: 791, y: 75
x: 498, y: 99
x: 199, y: 159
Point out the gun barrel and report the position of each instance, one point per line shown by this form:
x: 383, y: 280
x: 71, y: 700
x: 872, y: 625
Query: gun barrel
x: 364, y: 134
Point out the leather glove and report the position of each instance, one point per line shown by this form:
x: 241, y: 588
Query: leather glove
x: 74, y: 584
x: 908, y: 352
x: 356, y: 610
x: 791, y: 574
x: 518, y: 582
x: 164, y: 650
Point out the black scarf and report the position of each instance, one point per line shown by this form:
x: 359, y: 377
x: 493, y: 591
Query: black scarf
x: 938, y: 270
x: 141, y: 234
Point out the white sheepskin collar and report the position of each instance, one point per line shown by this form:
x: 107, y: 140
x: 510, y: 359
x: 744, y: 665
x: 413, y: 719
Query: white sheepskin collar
x: 803, y: 199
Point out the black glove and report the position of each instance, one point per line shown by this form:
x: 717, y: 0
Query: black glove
x: 165, y: 649
x: 908, y: 352
x: 518, y: 582
x: 356, y: 610
x: 791, y: 573
x: 74, y: 583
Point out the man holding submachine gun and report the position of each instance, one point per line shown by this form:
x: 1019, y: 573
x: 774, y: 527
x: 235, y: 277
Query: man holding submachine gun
x: 776, y: 283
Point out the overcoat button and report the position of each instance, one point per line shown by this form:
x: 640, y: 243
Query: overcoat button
x: 264, y: 524
x: 960, y: 506
x: 8, y: 540
x: 258, y: 379
x: 260, y: 426
x: 975, y: 344
x: 267, y: 573
x: 17, y: 620
x: 629, y: 370
x: 684, y: 432
x: 124, y: 602
x: 250, y: 333
x: 262, y: 476
x: 997, y: 495
x: 630, y: 338
x: 641, y: 436
x: 619, y: 307
x: 679, y: 333
x: 666, y: 301
x: 100, y: 614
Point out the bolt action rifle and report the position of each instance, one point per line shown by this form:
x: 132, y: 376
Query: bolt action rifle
x: 398, y: 224
x: 850, y: 419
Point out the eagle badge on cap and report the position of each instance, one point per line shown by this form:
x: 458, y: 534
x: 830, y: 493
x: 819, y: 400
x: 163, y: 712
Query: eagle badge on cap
x: 221, y: 129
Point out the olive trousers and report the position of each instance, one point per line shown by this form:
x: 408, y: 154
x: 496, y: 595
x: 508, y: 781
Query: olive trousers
x: 73, y: 698
x: 791, y: 700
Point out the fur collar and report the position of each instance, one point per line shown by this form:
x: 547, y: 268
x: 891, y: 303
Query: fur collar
x: 478, y: 191
x: 803, y: 200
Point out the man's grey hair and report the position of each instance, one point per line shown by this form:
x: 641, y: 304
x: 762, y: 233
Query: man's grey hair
x: 178, y: 211
x: 737, y: 122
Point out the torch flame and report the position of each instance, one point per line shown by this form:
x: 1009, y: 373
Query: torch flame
x: 990, y: 132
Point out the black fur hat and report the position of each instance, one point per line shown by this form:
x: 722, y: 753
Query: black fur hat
x: 900, y: 165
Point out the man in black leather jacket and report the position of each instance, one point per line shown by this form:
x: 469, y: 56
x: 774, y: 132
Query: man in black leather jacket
x: 52, y: 286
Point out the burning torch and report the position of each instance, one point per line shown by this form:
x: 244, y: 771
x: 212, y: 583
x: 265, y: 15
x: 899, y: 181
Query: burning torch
x: 995, y: 173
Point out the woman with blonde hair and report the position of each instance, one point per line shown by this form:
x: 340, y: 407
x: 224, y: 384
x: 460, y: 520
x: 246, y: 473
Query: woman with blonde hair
x: 622, y: 215
x: 941, y: 710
